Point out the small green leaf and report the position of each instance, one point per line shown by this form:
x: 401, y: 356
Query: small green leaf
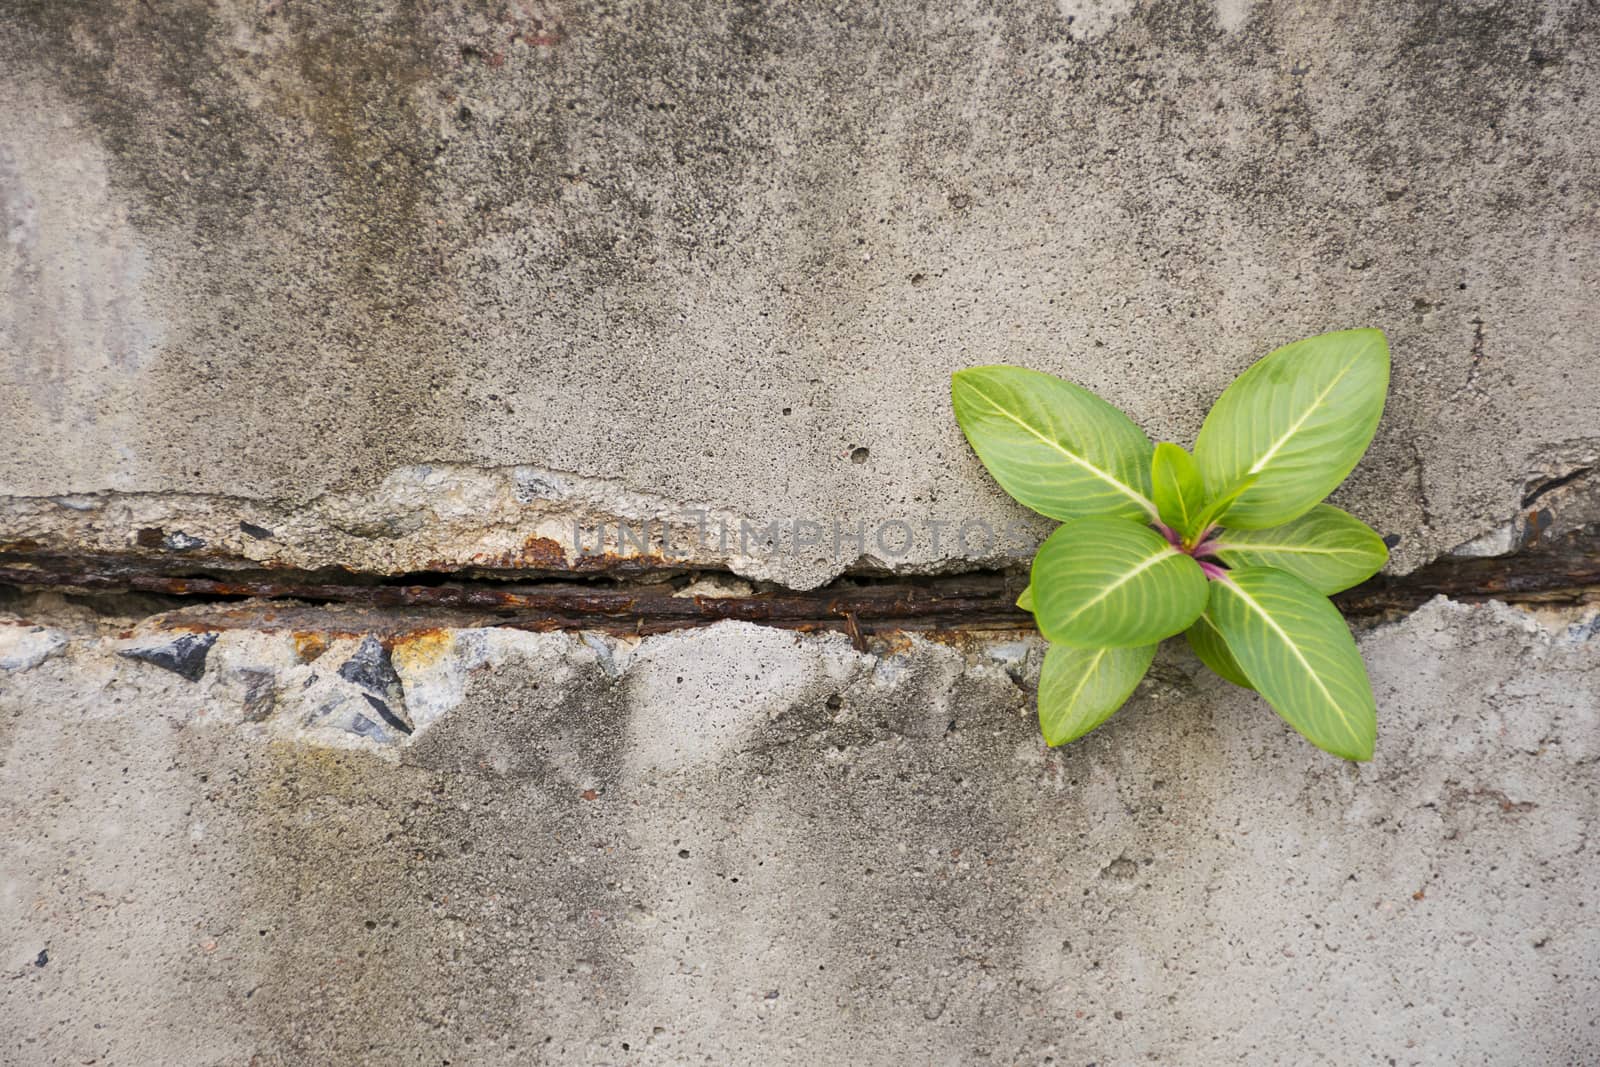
x: 1111, y: 583
x: 1293, y: 644
x: 1208, y: 516
x: 1326, y: 548
x: 1176, y: 486
x: 1025, y: 600
x: 1055, y: 447
x: 1206, y: 641
x: 1299, y: 419
x: 1079, y: 688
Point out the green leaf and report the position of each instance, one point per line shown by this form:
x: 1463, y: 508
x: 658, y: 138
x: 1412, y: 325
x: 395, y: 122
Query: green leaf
x: 1293, y: 644
x: 1177, y: 487
x: 1055, y: 447
x: 1326, y: 548
x: 1299, y: 420
x: 1206, y: 641
x: 1025, y: 600
x: 1111, y: 583
x: 1079, y: 688
x: 1208, y: 517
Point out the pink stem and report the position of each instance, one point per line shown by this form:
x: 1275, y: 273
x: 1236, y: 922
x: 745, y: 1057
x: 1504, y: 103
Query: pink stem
x: 1213, y: 571
x: 1170, y: 534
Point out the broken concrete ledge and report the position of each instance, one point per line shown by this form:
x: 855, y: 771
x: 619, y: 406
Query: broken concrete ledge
x: 502, y: 521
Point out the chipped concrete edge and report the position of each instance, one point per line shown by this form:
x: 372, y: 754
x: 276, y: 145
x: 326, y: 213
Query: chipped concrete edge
x: 450, y: 517
x: 360, y: 693
x: 447, y: 517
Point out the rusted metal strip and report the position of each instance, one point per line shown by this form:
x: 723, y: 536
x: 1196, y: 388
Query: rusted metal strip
x: 1563, y: 571
x: 964, y: 601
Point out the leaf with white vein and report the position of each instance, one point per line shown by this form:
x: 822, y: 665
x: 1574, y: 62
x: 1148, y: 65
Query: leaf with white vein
x: 1299, y: 420
x: 1111, y: 583
x: 1080, y: 688
x: 1292, y: 643
x: 1055, y: 447
x: 1206, y: 642
x: 1326, y: 548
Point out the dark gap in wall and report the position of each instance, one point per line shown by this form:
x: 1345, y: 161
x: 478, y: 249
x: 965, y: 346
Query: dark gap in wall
x: 637, y: 600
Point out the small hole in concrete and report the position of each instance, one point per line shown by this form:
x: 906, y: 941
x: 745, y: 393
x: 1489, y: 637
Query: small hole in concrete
x: 859, y: 455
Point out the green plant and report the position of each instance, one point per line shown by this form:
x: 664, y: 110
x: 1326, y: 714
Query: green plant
x: 1229, y: 545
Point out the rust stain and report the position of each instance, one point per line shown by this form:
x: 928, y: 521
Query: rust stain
x: 896, y: 642
x: 970, y: 640
x: 600, y: 562
x: 546, y: 554
x: 539, y: 552
x: 308, y: 646
x: 422, y: 649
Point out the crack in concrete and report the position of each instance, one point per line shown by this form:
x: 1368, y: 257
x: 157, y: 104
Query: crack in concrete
x: 1538, y: 492
x: 1563, y: 570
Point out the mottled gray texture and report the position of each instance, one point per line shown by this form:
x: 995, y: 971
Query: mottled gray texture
x: 23, y: 646
x: 261, y: 258
x: 400, y: 287
x: 745, y: 845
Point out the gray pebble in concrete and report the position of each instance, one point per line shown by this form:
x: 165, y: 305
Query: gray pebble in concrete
x: 184, y: 655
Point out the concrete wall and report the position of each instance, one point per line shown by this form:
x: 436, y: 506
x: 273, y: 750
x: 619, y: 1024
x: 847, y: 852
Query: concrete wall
x: 745, y: 845
x: 412, y: 284
x: 419, y: 286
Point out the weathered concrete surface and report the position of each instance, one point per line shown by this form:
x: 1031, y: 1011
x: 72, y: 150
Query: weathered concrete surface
x: 414, y: 285
x: 744, y: 845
